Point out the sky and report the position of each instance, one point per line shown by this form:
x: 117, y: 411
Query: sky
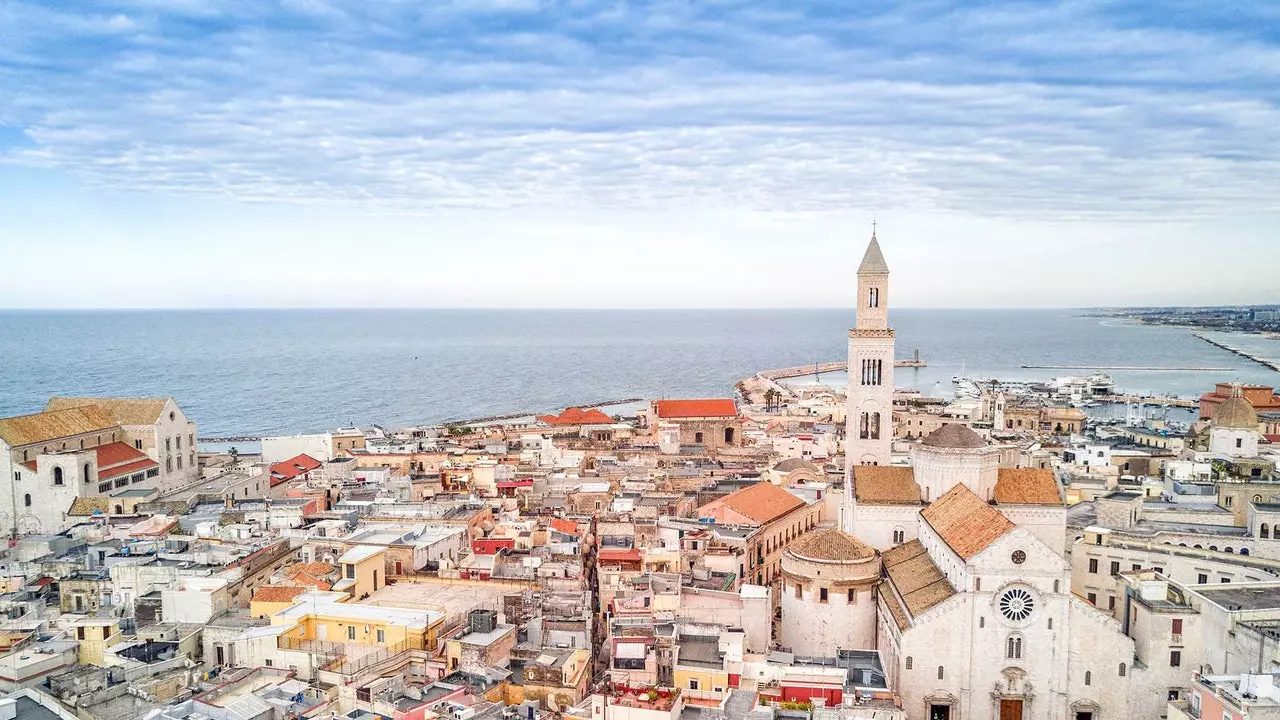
x: 531, y: 153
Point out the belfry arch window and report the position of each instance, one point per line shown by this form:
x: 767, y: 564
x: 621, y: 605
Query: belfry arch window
x: 875, y: 426
x: 86, y: 472
x: 863, y: 430
x: 873, y: 297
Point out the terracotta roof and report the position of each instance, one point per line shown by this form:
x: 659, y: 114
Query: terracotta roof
x: 577, y: 416
x: 133, y: 467
x: 964, y: 522
x: 954, y: 435
x: 873, y: 260
x: 916, y: 578
x: 761, y: 503
x: 126, y: 411
x: 46, y: 426
x: 696, y: 408
x: 85, y: 506
x: 885, y: 485
x: 618, y: 555
x: 308, y: 579
x: 314, y: 568
x: 793, y: 464
x: 561, y: 525
x: 116, y: 453
x: 1027, y: 486
x: 830, y: 544
x: 294, y: 467
x: 277, y: 593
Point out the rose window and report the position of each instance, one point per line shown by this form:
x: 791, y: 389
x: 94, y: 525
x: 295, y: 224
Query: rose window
x: 1016, y: 604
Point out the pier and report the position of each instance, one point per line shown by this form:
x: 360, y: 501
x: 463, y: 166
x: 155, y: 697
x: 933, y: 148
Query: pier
x: 1165, y: 400
x: 1145, y: 368
x: 1242, y: 353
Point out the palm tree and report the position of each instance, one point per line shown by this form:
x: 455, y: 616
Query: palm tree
x: 234, y: 453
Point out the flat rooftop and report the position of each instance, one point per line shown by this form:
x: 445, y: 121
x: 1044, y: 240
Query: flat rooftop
x: 360, y: 553
x: 326, y: 605
x: 1244, y: 596
x: 445, y: 597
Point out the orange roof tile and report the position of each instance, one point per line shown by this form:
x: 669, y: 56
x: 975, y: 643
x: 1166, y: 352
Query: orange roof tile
x: 116, y: 453
x: 964, y: 522
x: 293, y: 467
x: 676, y: 409
x: 51, y: 425
x: 314, y: 568
x: 762, y: 502
x: 118, y: 470
x: 127, y: 411
x: 916, y: 578
x: 577, y: 416
x: 885, y: 485
x: 277, y: 593
x: 1027, y: 486
x: 562, y: 525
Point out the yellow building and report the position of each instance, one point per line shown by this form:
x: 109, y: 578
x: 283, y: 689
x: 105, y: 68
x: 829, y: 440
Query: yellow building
x: 363, y: 571
x: 323, y: 616
x: 95, y: 636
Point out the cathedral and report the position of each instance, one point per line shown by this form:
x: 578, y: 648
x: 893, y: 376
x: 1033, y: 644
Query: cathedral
x: 973, y: 612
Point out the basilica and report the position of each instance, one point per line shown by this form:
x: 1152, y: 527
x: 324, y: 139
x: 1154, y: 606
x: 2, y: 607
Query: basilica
x: 973, y: 612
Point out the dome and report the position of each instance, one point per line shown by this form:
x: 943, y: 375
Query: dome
x: 791, y: 464
x: 1236, y: 412
x: 953, y: 435
x: 831, y: 544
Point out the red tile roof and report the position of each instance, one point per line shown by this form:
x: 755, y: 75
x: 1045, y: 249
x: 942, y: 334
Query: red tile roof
x: 676, y: 409
x: 964, y: 522
x: 561, y: 525
x: 762, y: 502
x: 619, y: 555
x: 145, y: 464
x: 116, y: 453
x: 292, y: 468
x: 577, y: 416
x: 277, y: 593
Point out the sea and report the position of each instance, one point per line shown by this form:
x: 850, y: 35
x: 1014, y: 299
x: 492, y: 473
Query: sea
x: 266, y: 372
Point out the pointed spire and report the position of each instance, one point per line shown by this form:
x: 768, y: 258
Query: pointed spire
x: 873, y: 260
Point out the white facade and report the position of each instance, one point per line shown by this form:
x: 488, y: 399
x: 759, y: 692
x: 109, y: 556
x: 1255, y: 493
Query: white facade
x: 278, y: 449
x: 1233, y: 442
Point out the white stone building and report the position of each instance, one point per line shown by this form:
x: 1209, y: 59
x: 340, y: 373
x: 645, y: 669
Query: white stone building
x: 1234, y: 432
x: 157, y: 427
x: 828, y: 594
x: 869, y: 421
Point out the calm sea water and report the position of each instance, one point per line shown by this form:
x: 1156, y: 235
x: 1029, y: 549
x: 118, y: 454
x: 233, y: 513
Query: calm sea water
x: 267, y: 371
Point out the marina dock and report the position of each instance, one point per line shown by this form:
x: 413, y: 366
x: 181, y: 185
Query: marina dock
x: 1242, y: 353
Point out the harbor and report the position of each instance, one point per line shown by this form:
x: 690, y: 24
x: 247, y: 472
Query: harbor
x: 1274, y: 365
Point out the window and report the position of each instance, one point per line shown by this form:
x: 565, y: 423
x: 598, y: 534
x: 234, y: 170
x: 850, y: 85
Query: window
x: 941, y: 673
x: 382, y: 637
x: 1050, y: 623
x: 908, y: 662
x: 168, y: 445
x: 1013, y: 648
x: 1115, y: 568
x: 1121, y: 669
x: 1228, y: 501
x: 191, y: 439
x: 728, y: 435
x: 1055, y: 585
x: 977, y: 584
x: 179, y: 462
x: 852, y: 597
x: 1175, y: 658
x: 86, y: 472
x: 1093, y: 599
x: 153, y: 472
x: 351, y: 571
x: 137, y: 444
x: 822, y: 594
x: 697, y: 438
x: 80, y: 633
x: 1088, y: 678
x: 1137, y: 567
x: 351, y: 632
x: 177, y: 441
x: 693, y: 683
x: 1202, y: 578
x: 1177, y: 626
x: 982, y: 622
x: 57, y: 476
x: 26, y: 499
x: 799, y: 591
x: 1093, y: 565
x: 899, y: 536
x: 1111, y: 602
x: 1239, y: 442
x: 168, y: 464
x: 1158, y: 569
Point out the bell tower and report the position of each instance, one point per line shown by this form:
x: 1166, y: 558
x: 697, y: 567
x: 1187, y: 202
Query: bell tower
x: 868, y: 436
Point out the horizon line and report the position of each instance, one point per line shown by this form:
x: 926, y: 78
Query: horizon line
x: 552, y: 308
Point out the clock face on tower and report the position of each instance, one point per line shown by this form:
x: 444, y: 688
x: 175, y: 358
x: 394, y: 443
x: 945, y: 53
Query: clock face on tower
x: 1016, y: 604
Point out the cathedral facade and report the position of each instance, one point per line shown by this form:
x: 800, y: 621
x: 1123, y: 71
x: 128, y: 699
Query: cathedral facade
x: 974, y: 614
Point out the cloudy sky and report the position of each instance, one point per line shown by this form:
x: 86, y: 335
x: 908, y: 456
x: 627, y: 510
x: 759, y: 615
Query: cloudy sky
x: 532, y: 153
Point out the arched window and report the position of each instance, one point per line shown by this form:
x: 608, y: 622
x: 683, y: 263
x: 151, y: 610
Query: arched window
x: 119, y: 509
x: 1257, y: 498
x: 908, y: 662
x: 26, y: 499
x: 86, y: 472
x: 1088, y: 678
x: 1228, y: 549
x: 57, y: 477
x: 1264, y: 531
x: 875, y: 426
x: 863, y: 431
x: 899, y: 536
x: 1013, y: 648
x: 1213, y: 548
x: 1121, y: 669
x: 940, y: 672
x: 1244, y: 551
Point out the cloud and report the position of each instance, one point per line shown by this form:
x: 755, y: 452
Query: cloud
x: 1028, y: 110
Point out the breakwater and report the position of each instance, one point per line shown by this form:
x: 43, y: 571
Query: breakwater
x: 1242, y: 353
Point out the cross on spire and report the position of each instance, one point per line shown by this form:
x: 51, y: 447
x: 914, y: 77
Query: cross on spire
x: 873, y: 228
